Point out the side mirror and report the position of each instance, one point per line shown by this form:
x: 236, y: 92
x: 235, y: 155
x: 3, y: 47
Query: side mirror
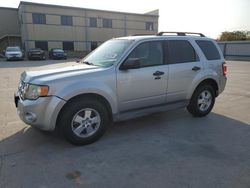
x: 78, y: 60
x: 132, y: 63
x: 4, y: 51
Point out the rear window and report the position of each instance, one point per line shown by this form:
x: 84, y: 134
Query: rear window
x: 209, y: 49
x: 181, y: 51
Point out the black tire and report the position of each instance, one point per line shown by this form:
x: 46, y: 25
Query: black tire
x: 194, y: 108
x: 72, y: 109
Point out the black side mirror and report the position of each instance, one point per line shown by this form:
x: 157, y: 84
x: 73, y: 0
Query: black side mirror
x: 4, y: 51
x: 78, y: 60
x: 132, y: 63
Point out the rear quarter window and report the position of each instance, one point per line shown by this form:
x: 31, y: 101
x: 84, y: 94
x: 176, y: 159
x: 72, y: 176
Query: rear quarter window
x: 209, y: 49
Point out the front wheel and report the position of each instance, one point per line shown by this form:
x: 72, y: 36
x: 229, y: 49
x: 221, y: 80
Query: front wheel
x: 202, y: 101
x: 83, y: 121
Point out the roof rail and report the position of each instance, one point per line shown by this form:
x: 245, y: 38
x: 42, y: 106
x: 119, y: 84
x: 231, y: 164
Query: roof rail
x: 179, y: 33
x: 141, y: 34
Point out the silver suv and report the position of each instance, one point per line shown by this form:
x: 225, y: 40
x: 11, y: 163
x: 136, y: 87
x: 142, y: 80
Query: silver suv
x: 124, y: 78
x: 13, y: 53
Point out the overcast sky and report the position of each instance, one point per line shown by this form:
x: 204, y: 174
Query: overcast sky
x: 210, y: 17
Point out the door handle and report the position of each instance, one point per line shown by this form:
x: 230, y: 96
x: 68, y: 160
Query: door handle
x: 158, y: 73
x: 195, y: 68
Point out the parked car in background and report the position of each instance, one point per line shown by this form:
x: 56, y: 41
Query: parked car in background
x: 13, y: 53
x: 36, y: 53
x: 57, y: 53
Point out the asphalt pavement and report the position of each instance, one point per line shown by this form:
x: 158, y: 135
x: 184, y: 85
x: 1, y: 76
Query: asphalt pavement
x: 170, y: 149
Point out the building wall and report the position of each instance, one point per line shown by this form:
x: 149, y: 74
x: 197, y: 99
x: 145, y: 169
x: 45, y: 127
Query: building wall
x: 9, y: 28
x: 80, y: 33
x: 9, y: 22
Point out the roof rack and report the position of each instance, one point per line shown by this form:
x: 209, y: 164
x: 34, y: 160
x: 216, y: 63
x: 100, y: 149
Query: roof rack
x: 142, y: 34
x: 179, y: 33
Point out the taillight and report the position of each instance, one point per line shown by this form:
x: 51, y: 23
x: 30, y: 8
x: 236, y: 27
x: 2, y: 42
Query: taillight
x: 224, y: 69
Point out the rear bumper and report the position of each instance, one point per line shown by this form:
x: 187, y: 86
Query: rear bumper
x: 222, y: 85
x: 41, y: 113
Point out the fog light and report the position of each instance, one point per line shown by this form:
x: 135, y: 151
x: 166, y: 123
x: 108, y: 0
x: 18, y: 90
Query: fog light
x: 30, y: 117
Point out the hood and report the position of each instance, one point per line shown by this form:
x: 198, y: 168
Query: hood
x: 46, y: 76
x: 14, y: 52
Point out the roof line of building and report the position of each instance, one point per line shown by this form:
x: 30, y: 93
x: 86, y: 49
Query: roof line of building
x: 8, y: 8
x: 109, y: 11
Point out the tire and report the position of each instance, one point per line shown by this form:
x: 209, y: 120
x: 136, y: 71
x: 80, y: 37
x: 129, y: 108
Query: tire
x: 202, y: 101
x: 83, y: 121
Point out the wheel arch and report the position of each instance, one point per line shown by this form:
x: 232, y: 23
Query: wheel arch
x: 207, y: 81
x: 88, y: 96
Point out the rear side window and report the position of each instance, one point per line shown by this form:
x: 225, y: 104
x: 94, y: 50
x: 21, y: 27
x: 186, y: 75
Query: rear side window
x: 181, y: 51
x: 209, y: 49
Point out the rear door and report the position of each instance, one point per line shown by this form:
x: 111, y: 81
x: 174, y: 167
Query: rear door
x: 184, y: 66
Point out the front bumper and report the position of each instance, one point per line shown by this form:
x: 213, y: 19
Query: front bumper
x: 36, y: 56
x: 59, y: 56
x: 41, y: 113
x: 14, y: 58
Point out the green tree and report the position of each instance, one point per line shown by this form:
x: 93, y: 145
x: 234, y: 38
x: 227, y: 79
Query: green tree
x: 232, y: 36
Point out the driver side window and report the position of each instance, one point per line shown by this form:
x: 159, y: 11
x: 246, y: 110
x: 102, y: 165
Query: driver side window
x: 148, y: 53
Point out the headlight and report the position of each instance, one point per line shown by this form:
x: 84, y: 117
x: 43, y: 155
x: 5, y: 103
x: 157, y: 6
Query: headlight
x: 35, y: 91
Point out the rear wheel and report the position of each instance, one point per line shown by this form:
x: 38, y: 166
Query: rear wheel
x: 83, y: 121
x: 202, y: 101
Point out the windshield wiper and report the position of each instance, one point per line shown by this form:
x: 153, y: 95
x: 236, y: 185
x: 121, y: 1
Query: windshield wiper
x: 88, y: 63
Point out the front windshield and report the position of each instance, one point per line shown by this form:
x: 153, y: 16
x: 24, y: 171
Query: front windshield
x: 12, y: 49
x: 35, y: 49
x: 108, y: 53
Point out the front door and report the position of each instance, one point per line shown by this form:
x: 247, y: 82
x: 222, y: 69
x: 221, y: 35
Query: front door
x: 147, y: 85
